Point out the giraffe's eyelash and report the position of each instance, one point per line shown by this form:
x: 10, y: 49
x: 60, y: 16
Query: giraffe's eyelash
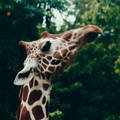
x: 46, y: 46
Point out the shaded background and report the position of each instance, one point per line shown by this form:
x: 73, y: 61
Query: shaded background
x: 90, y: 88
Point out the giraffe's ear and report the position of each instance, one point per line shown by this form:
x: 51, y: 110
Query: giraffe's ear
x: 24, y: 76
x: 44, y: 34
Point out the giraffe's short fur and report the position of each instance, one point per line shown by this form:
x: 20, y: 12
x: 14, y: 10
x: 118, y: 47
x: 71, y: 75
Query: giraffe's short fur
x: 46, y: 57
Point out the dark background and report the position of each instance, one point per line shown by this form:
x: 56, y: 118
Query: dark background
x: 90, y: 88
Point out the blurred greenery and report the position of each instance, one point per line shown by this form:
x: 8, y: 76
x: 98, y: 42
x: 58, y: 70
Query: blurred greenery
x: 90, y: 88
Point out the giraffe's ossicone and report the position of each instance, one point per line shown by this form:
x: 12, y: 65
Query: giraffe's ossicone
x: 47, y: 57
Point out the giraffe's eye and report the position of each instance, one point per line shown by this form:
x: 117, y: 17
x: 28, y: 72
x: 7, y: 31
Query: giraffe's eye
x: 46, y: 46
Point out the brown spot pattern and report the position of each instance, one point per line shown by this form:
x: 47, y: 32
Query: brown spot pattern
x: 36, y: 71
x: 41, y: 68
x: 74, y: 37
x: 48, y: 75
x: 71, y: 57
x: 57, y: 55
x: 52, y: 69
x: 45, y: 86
x: 69, y: 54
x: 64, y: 52
x: 55, y: 62
x: 64, y: 63
x: 25, y: 114
x: 72, y: 47
x: 75, y: 34
x: 38, y: 112
x: 25, y: 93
x: 31, y: 83
x: 45, y: 61
x: 47, y: 108
x: 34, y: 96
x: 49, y: 57
x: 45, y: 66
x: 43, y: 76
x: 58, y: 69
x: 36, y: 82
x: 66, y: 58
x: 44, y: 100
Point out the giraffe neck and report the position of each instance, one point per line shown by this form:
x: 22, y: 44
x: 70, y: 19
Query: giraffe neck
x: 35, y: 97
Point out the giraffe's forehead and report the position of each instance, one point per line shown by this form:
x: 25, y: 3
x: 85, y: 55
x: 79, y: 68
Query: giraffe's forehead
x: 35, y: 47
x: 57, y: 43
x: 54, y: 42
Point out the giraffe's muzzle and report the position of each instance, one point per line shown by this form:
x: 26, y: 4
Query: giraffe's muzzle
x: 91, y: 32
x: 91, y: 36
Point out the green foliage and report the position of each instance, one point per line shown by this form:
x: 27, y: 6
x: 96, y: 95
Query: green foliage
x: 57, y: 115
x: 19, y: 20
x: 94, y: 76
x: 113, y: 117
x: 117, y: 66
x: 90, y: 88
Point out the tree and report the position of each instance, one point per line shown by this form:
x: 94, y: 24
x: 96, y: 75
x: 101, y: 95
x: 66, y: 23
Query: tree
x: 19, y: 20
x: 89, y: 88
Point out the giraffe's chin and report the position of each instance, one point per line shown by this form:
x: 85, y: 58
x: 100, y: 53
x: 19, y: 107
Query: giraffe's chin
x: 24, y: 76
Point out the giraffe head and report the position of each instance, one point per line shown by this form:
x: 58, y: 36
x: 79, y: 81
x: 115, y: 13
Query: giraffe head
x: 53, y: 53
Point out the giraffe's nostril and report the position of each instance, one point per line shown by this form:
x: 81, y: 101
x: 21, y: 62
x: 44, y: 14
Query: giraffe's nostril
x: 91, y: 36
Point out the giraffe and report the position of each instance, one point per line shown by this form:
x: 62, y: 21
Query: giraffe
x: 46, y: 58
